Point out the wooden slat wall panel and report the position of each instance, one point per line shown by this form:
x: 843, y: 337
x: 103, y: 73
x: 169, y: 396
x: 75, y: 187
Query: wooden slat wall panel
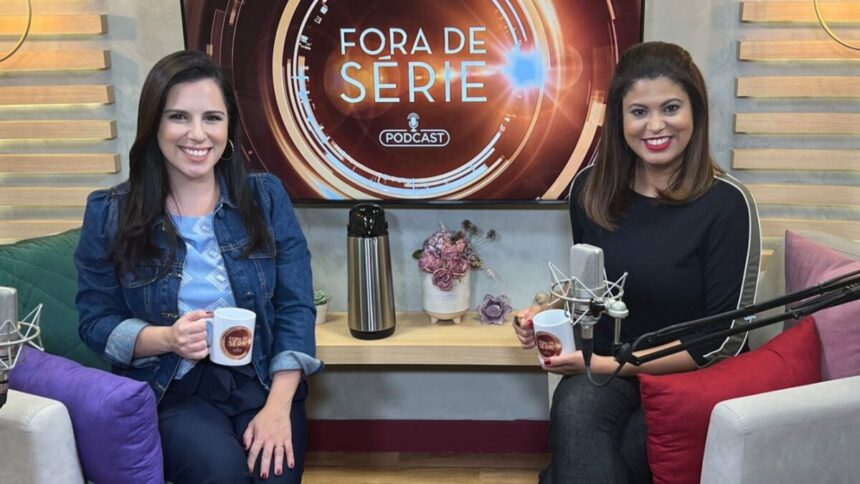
x: 66, y: 110
x: 59, y: 163
x: 798, y: 123
x: 819, y: 74
x: 796, y: 50
x: 11, y: 230
x: 60, y: 94
x: 59, y: 129
x: 793, y: 87
x: 776, y: 227
x: 61, y: 60
x: 811, y: 195
x: 44, y: 196
x: 799, y: 11
x: 765, y: 258
x: 93, y: 24
x: 795, y: 159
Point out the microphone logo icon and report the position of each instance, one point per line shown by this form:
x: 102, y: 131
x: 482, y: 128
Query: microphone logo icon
x: 412, y: 120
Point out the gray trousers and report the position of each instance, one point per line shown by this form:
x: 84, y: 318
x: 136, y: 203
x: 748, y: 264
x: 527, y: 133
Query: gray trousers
x: 597, y: 434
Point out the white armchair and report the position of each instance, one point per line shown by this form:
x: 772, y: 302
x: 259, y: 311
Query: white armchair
x: 798, y: 435
x: 37, y: 443
x: 802, y: 434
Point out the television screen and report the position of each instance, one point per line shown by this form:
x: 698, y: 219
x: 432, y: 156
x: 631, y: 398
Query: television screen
x: 418, y: 100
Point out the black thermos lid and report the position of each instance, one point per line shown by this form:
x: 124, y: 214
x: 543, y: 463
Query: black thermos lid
x: 367, y: 220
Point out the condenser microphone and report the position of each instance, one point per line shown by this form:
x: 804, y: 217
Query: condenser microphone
x: 8, y: 335
x: 587, y: 281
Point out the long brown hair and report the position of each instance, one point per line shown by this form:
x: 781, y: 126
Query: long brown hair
x: 613, y: 174
x: 148, y: 181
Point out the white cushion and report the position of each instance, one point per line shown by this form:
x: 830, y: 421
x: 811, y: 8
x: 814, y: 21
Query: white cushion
x: 37, y: 443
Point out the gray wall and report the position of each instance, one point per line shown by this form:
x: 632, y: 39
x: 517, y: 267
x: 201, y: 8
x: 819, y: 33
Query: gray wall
x: 140, y: 32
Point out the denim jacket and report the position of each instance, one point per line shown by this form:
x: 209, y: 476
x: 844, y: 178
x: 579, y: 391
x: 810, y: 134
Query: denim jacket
x: 274, y: 283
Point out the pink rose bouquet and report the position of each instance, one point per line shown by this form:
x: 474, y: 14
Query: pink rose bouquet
x: 448, y: 255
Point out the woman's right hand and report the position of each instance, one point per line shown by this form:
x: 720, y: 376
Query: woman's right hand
x: 188, y: 335
x: 525, y: 330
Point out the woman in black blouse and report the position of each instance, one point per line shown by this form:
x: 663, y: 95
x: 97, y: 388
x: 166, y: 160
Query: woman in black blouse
x: 687, y: 234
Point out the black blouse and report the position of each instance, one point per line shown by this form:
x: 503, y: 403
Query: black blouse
x: 684, y: 261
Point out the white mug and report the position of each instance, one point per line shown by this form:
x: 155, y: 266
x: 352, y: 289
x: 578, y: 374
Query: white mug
x: 230, y: 336
x: 553, y: 334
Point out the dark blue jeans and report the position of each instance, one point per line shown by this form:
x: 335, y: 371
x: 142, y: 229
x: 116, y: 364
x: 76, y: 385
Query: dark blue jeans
x: 202, y: 418
x: 597, y: 434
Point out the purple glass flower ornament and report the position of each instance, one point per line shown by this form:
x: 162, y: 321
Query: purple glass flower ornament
x: 493, y: 309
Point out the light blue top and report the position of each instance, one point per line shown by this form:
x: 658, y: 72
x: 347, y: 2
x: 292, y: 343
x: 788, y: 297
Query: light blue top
x: 205, y: 284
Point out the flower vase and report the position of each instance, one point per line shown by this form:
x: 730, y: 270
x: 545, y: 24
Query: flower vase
x: 446, y: 305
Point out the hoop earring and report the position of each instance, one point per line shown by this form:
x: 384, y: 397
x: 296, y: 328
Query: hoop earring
x: 232, y: 150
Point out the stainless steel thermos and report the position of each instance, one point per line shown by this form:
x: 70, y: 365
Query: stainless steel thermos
x: 371, y: 292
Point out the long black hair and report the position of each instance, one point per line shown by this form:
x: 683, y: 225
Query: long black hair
x: 148, y: 182
x: 615, y: 169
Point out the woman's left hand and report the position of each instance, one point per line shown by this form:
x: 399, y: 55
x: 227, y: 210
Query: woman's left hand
x: 269, y: 436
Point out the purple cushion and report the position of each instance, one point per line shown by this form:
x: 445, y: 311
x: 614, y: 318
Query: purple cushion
x: 115, y: 418
x: 807, y: 263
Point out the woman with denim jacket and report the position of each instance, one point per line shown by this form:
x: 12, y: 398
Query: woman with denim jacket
x: 190, y: 232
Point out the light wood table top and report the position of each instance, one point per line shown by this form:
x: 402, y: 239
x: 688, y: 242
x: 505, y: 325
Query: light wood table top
x: 416, y: 341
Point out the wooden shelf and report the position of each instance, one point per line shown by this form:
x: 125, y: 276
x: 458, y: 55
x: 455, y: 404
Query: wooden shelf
x: 53, y: 95
x: 65, y: 60
x: 798, y: 123
x: 796, y: 50
x: 45, y: 196
x: 809, y: 195
x: 13, y: 230
x: 795, y: 159
x: 82, y: 24
x: 799, y: 12
x: 67, y: 129
x: 776, y: 227
x: 798, y: 87
x: 59, y: 163
x: 418, y: 342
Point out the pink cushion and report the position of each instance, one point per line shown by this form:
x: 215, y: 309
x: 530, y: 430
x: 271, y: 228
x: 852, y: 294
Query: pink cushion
x: 807, y: 263
x: 678, y: 406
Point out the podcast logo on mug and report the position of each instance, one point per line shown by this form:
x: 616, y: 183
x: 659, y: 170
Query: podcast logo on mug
x: 236, y: 342
x: 547, y: 344
x: 414, y: 137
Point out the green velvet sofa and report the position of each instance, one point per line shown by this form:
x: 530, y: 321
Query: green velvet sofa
x: 43, y: 271
x: 65, y: 422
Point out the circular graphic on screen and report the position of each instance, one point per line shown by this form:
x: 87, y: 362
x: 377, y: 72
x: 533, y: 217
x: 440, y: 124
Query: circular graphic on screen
x: 417, y: 99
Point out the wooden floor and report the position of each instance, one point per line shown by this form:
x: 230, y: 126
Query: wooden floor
x: 401, y: 468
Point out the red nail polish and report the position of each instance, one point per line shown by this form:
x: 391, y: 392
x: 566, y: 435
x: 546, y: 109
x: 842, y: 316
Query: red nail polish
x: 529, y: 323
x: 546, y: 361
x: 278, y: 472
x: 265, y: 475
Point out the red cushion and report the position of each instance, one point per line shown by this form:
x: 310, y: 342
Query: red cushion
x: 678, y: 406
